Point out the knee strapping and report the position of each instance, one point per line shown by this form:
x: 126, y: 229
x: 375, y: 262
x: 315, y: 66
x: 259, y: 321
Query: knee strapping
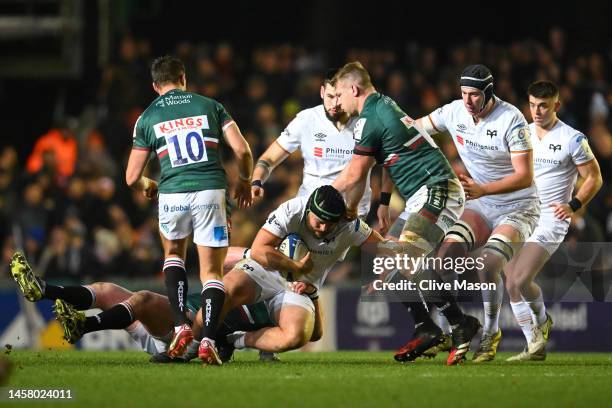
x: 462, y: 232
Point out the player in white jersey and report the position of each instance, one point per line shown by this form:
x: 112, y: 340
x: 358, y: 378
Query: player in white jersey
x: 560, y: 154
x: 493, y: 141
x: 320, y: 222
x: 324, y: 137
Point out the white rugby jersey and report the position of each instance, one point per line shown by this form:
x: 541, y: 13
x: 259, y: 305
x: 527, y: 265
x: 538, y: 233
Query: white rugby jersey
x: 485, y: 147
x: 555, y: 158
x: 289, y: 218
x: 325, y: 149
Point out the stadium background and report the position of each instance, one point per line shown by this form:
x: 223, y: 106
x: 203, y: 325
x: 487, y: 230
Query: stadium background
x: 74, y: 78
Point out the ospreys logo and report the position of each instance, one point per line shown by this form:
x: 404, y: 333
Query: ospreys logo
x: 554, y: 147
x: 491, y: 133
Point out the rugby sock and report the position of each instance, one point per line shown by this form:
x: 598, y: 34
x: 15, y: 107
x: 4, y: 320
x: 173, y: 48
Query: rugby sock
x: 213, y: 296
x: 449, y: 308
x: 81, y: 297
x: 238, y: 339
x: 522, y: 313
x: 117, y: 317
x: 537, y: 308
x: 443, y: 322
x: 492, y: 301
x: 419, y: 313
x: 177, y: 286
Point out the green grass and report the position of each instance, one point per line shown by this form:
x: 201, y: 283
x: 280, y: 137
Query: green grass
x: 354, y: 379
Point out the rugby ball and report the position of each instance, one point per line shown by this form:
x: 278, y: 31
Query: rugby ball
x: 293, y: 247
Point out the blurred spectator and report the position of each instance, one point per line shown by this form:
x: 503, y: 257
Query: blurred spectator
x: 55, y: 151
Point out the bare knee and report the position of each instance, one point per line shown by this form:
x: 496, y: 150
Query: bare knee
x: 141, y: 300
x: 108, y: 294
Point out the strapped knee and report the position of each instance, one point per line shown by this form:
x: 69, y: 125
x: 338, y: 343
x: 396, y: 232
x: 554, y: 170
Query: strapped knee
x: 462, y: 232
x: 500, y: 245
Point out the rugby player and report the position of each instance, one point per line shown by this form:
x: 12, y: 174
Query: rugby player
x: 493, y: 141
x: 184, y: 129
x: 434, y: 196
x: 148, y: 319
x: 560, y: 154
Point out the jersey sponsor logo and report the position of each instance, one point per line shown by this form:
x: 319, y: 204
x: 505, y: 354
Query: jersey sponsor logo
x: 541, y: 161
x: 175, y: 125
x: 320, y: 137
x: 460, y: 140
x: 177, y: 99
x: 480, y: 146
x: 391, y: 159
x: 554, y: 147
x: 408, y: 121
x: 359, y: 128
x: 318, y: 152
x: 522, y: 133
x: 461, y: 127
x: 220, y: 233
x: 273, y: 220
x: 332, y: 152
x: 492, y: 133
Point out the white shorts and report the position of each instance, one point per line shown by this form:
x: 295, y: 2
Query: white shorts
x: 522, y: 216
x: 149, y: 343
x: 550, y: 231
x: 274, y: 289
x: 201, y: 212
x: 444, y: 206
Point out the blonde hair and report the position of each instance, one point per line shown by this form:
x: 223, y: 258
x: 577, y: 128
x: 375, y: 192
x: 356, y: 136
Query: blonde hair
x: 356, y: 72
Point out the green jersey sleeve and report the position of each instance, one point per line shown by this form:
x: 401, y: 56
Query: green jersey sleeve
x: 140, y: 140
x: 368, y: 137
x: 224, y: 117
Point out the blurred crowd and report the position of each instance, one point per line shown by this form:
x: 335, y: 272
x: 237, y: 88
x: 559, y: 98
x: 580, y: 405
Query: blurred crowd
x: 69, y: 207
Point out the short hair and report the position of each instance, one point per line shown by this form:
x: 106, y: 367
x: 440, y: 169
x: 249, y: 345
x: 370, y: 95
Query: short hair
x: 356, y: 72
x: 329, y: 76
x: 543, y: 89
x: 167, y: 70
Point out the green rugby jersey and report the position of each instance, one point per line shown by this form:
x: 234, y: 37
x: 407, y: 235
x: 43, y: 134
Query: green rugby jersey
x: 412, y: 158
x: 184, y: 129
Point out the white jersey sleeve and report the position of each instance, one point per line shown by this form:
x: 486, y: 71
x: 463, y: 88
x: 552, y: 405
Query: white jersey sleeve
x: 518, y: 137
x: 440, y: 118
x: 290, y: 139
x: 580, y: 150
x: 286, y: 218
x: 360, y: 231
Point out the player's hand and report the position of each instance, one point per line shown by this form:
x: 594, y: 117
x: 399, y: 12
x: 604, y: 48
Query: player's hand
x: 242, y: 194
x: 562, y: 211
x: 472, y: 189
x: 150, y: 189
x: 302, y: 288
x: 384, y: 219
x: 305, y: 264
x: 257, y: 192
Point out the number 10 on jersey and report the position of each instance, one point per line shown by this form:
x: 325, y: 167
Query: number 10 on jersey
x: 186, y: 147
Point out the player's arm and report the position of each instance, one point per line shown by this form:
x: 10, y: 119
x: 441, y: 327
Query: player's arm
x: 522, y: 163
x: 352, y: 180
x: 242, y: 151
x: 592, y: 182
x: 264, y: 252
x: 133, y: 173
x: 272, y: 157
x: 434, y: 122
x: 386, y: 189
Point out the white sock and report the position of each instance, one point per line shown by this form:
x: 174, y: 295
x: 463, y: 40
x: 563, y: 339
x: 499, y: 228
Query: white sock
x: 524, y: 318
x: 538, y: 308
x: 238, y: 338
x: 443, y: 323
x: 492, y: 306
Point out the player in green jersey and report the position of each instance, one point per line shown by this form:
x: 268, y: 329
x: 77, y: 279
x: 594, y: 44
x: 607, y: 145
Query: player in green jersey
x: 434, y: 196
x: 185, y: 129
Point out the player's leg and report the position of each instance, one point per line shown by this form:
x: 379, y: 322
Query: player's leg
x: 234, y: 255
x: 469, y: 232
x: 211, y: 235
x: 295, y: 319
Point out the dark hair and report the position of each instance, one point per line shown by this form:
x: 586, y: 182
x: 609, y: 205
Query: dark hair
x: 329, y: 75
x: 167, y: 70
x: 543, y: 89
x: 327, y: 204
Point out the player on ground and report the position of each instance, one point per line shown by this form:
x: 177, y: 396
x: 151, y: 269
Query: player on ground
x: 319, y: 221
x: 434, y: 196
x: 324, y: 137
x: 185, y: 130
x: 560, y: 154
x: 492, y: 138
x: 145, y: 315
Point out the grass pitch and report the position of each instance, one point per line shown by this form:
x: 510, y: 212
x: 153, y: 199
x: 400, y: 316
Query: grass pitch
x: 355, y: 379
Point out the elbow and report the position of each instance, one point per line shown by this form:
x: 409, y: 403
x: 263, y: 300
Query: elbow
x: 243, y: 151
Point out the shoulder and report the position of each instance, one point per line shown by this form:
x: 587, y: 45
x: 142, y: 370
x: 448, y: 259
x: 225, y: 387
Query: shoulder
x: 509, y: 113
